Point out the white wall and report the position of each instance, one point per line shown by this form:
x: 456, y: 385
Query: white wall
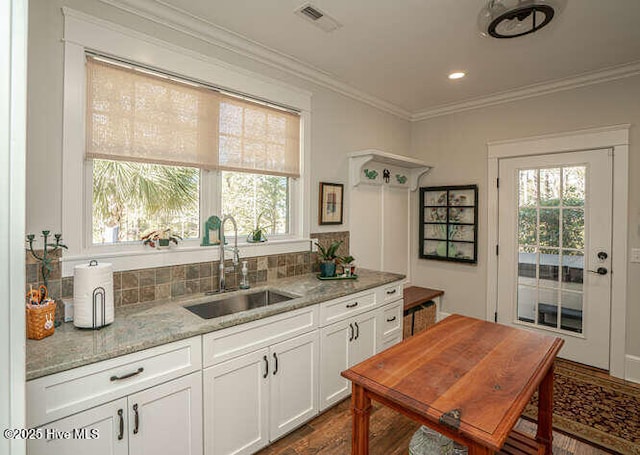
x: 338, y: 124
x: 456, y: 146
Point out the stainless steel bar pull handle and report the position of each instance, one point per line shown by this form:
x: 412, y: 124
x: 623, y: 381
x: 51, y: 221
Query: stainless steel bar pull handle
x: 121, y: 417
x: 128, y: 375
x: 136, y: 419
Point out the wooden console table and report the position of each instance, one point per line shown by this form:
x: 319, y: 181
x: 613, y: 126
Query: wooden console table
x: 465, y: 378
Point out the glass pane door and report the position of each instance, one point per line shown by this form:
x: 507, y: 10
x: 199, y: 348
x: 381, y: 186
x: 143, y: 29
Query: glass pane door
x: 551, y: 247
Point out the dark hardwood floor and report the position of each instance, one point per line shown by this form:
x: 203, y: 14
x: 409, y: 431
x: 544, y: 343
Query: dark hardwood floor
x: 330, y: 434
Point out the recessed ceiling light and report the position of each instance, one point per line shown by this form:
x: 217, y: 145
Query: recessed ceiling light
x: 457, y: 75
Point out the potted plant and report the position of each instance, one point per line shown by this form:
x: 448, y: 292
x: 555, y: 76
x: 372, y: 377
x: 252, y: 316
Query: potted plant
x: 160, y: 238
x: 258, y: 234
x: 328, y: 256
x: 348, y: 268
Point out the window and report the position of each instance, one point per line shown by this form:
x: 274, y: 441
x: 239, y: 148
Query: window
x: 256, y: 201
x: 131, y: 198
x: 152, y: 138
x: 189, y: 133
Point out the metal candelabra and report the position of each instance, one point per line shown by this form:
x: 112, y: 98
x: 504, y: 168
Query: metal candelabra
x: 48, y: 249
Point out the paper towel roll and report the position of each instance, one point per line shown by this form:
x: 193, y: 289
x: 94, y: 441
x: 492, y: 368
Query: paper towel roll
x: 86, y: 279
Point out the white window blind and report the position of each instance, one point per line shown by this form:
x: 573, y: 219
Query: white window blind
x: 137, y: 116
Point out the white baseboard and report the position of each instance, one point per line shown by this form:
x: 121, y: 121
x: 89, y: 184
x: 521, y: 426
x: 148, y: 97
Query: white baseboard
x: 632, y: 368
x: 442, y: 315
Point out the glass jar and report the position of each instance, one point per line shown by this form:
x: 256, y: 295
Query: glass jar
x: 426, y: 441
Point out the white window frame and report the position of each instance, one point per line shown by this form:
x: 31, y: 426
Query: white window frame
x: 84, y: 33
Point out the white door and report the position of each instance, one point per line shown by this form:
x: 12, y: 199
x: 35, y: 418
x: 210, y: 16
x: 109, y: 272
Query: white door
x: 236, y: 403
x: 364, y: 343
x: 555, y: 249
x: 294, y: 383
x: 110, y: 422
x: 335, y: 341
x: 167, y: 419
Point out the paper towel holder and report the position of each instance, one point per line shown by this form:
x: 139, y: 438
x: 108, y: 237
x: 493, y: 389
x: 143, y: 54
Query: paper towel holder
x: 99, y: 297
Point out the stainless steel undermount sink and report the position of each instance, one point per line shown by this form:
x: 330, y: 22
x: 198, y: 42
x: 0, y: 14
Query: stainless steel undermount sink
x: 237, y: 303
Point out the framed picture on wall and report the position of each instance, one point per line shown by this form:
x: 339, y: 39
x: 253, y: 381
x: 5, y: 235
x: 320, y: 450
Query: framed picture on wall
x: 449, y: 223
x: 331, y: 203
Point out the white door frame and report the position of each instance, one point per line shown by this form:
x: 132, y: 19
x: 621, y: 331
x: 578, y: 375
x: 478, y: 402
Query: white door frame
x: 13, y: 113
x: 615, y: 137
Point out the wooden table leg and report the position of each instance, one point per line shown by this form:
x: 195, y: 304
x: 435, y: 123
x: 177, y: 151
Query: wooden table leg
x: 361, y: 409
x: 545, y: 412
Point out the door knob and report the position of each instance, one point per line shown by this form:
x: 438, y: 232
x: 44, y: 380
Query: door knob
x: 600, y: 271
x: 602, y: 255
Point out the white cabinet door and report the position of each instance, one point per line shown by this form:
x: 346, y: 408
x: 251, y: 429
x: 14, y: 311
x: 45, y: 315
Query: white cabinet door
x: 293, y: 383
x: 110, y: 422
x: 167, y: 419
x: 364, y: 343
x: 335, y: 341
x: 236, y: 404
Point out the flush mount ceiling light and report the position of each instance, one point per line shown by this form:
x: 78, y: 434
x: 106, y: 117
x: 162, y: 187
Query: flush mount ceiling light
x: 457, y: 75
x: 513, y: 18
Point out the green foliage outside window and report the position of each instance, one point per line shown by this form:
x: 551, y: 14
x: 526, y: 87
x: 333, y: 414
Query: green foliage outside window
x: 131, y: 198
x: 572, y: 224
x: 256, y: 200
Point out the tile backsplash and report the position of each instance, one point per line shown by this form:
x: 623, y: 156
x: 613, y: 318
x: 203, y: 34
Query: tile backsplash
x: 145, y: 285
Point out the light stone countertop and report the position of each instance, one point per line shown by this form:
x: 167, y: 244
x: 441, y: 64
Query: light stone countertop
x: 141, y: 326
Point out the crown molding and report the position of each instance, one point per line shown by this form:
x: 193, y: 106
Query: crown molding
x: 583, y: 80
x: 184, y: 22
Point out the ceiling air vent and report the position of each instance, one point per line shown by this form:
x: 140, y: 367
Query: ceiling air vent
x: 318, y: 18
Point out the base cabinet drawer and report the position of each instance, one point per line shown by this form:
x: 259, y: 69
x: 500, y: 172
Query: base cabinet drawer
x: 163, y: 420
x: 391, y: 340
x: 59, y: 395
x: 391, y: 318
x: 389, y: 292
x: 245, y: 338
x: 347, y: 307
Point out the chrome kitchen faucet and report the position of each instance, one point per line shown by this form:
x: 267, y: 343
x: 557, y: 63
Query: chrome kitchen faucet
x: 222, y: 285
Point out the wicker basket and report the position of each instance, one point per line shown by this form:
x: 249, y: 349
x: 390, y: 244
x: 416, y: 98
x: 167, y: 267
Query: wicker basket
x: 40, y: 320
x: 423, y: 317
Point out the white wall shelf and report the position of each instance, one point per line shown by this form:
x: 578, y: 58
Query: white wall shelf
x: 367, y: 166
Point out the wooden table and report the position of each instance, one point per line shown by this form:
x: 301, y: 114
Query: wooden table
x: 467, y: 379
